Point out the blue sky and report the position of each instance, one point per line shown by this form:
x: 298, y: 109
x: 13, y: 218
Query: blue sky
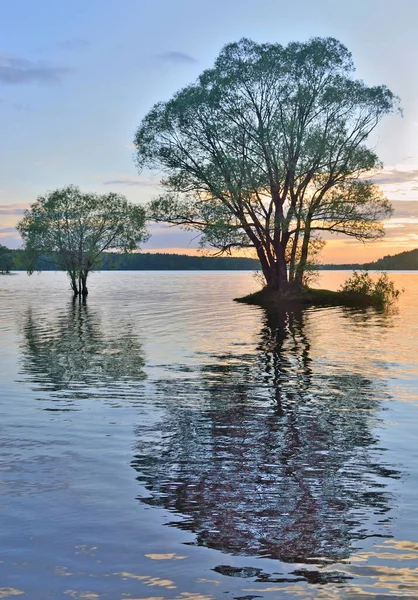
x: 76, y: 78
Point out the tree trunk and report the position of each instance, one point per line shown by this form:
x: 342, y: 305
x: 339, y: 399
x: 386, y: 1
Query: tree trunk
x: 73, y: 284
x: 300, y: 270
x: 274, y: 273
x: 84, y: 289
x: 293, y: 254
x: 265, y: 266
x: 281, y: 268
x: 277, y: 274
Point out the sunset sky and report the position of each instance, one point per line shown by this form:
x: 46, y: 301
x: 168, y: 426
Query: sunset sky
x: 77, y: 77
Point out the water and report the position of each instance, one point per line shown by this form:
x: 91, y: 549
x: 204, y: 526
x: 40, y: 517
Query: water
x: 163, y: 442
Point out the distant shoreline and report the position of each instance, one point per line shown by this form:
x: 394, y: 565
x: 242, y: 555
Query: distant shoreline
x: 145, y: 261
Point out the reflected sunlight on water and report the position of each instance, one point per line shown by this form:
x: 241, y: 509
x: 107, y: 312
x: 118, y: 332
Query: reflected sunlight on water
x: 162, y: 441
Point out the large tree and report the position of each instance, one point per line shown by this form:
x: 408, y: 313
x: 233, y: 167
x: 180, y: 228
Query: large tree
x: 71, y: 230
x: 267, y: 148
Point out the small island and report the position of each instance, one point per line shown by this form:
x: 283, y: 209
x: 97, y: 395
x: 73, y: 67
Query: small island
x: 307, y: 297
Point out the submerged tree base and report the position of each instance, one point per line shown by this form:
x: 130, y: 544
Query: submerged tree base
x: 269, y: 299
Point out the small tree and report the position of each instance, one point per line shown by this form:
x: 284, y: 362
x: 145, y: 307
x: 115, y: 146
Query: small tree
x: 381, y: 289
x: 6, y: 260
x: 71, y: 230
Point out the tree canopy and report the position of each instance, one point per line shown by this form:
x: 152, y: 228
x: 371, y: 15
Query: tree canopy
x: 267, y: 150
x: 71, y: 229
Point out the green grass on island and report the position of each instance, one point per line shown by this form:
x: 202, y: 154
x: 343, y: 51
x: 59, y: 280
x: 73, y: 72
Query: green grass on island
x: 271, y: 299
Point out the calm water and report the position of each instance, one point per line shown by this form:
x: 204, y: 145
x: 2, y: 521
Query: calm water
x: 165, y: 443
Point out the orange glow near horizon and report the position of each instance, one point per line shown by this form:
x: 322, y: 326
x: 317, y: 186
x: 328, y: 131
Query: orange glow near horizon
x: 401, y: 233
x: 335, y: 252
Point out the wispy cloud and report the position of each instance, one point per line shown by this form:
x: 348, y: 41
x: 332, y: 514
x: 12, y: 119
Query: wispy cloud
x: 11, y: 240
x: 48, y: 163
x: 398, y: 182
x: 132, y: 181
x: 13, y: 209
x: 21, y: 106
x: 165, y: 236
x: 15, y: 70
x: 395, y: 176
x: 74, y: 44
x: 402, y: 226
x: 405, y: 208
x: 176, y: 57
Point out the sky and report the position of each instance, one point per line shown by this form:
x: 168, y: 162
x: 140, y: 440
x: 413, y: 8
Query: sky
x: 77, y: 77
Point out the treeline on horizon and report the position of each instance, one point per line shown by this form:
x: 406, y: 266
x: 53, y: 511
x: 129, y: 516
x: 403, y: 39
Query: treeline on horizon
x: 145, y: 261
x: 404, y: 261
x: 407, y: 261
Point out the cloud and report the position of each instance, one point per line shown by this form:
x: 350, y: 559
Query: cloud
x: 176, y: 57
x: 16, y: 70
x: 403, y: 224
x: 10, y: 214
x: 398, y: 182
x: 22, y: 107
x: 11, y: 240
x: 405, y: 208
x: 74, y: 44
x: 395, y: 176
x: 48, y: 164
x: 164, y: 236
x: 7, y: 230
x: 131, y: 181
x: 13, y: 209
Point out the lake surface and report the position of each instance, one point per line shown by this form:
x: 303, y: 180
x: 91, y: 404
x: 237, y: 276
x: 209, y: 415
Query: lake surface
x: 162, y: 442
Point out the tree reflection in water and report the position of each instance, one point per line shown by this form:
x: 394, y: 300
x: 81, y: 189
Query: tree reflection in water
x: 74, y: 356
x: 263, y: 455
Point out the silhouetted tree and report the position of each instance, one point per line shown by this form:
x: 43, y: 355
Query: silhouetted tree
x: 268, y: 148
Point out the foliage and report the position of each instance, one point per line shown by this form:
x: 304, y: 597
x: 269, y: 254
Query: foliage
x: 268, y: 147
x: 70, y: 230
x: 381, y: 290
x: 6, y: 259
x: 259, y: 278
